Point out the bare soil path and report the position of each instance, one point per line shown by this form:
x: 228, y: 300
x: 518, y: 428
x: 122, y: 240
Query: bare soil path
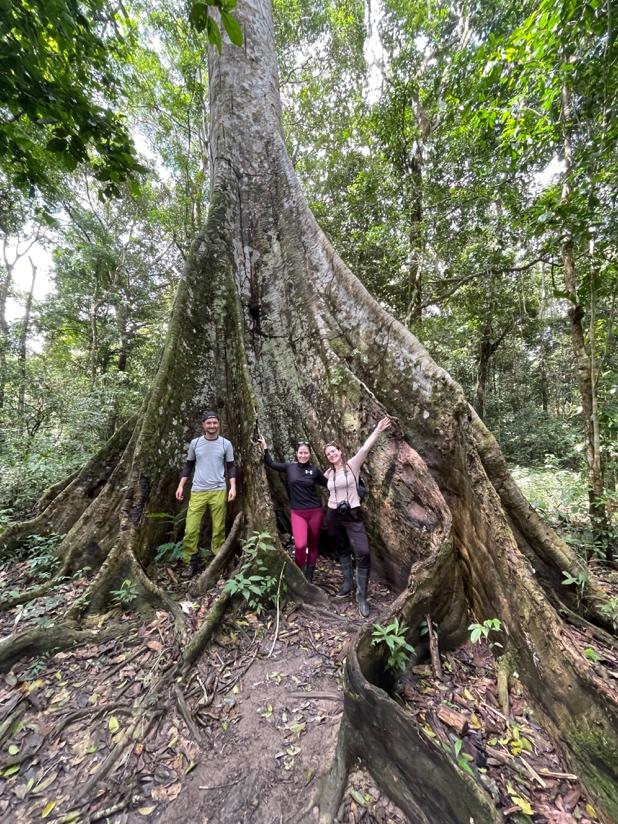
x: 245, y: 740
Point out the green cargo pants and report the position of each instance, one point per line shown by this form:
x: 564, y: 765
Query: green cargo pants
x: 199, y: 502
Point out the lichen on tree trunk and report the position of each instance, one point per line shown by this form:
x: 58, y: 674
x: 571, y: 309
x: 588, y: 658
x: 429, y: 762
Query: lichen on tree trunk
x: 270, y: 328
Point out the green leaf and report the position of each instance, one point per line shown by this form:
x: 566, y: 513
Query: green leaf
x: 358, y: 797
x: 214, y: 35
x: 199, y: 16
x: 48, y: 808
x: 57, y: 145
x: 232, y: 27
x: 523, y: 804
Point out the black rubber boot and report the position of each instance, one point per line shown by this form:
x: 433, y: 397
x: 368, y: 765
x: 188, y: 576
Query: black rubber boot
x: 362, y: 582
x: 197, y: 563
x: 309, y: 570
x: 348, y: 576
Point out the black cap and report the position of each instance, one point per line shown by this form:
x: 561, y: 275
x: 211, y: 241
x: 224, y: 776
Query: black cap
x: 209, y: 414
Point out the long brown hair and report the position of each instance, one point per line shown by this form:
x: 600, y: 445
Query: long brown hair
x: 336, y: 445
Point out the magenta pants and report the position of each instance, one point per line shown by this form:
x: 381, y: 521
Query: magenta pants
x: 306, y: 525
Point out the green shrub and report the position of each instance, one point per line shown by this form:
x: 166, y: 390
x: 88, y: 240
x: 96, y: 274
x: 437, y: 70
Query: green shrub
x: 393, y: 637
x: 255, y: 581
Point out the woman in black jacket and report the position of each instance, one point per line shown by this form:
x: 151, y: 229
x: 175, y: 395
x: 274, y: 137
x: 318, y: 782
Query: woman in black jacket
x: 305, y: 504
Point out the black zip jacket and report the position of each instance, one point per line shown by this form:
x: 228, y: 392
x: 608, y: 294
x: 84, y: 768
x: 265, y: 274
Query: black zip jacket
x: 300, y: 481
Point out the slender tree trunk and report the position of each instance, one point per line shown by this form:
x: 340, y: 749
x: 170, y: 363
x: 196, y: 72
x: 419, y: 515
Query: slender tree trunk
x: 416, y: 239
x: 584, y: 359
x: 482, y: 372
x: 22, y: 353
x: 487, y: 350
x: 94, y: 340
x: 543, y: 381
x: 5, y: 284
x: 6, y: 276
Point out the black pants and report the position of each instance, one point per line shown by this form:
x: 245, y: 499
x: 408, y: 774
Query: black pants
x: 347, y: 531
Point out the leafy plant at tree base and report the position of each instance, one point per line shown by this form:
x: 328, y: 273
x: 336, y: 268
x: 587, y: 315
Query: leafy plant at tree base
x: 480, y: 632
x: 394, y: 637
x: 592, y: 655
x: 41, y: 555
x: 424, y: 629
x: 255, y: 581
x: 171, y: 551
x: 461, y: 759
x: 515, y: 741
x: 5, y: 518
x: 609, y: 609
x: 579, y: 581
x: 127, y: 593
x: 37, y: 667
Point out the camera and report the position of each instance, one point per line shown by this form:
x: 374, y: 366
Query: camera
x: 343, y: 507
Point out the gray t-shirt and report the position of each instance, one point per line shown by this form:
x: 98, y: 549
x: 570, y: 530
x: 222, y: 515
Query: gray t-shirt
x: 210, y: 459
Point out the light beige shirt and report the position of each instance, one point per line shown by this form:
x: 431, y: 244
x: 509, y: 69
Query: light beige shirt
x: 342, y: 484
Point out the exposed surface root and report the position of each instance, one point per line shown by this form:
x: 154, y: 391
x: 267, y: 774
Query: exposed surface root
x: 138, y: 725
x: 26, y: 595
x: 38, y: 641
x: 210, y: 575
x: 156, y: 596
x: 198, y: 642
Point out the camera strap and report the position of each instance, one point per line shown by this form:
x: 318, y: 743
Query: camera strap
x: 345, y: 472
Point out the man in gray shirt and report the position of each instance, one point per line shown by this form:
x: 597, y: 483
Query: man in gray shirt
x: 208, y: 457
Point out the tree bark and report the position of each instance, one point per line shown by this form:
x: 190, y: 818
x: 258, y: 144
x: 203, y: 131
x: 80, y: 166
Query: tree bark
x: 272, y: 330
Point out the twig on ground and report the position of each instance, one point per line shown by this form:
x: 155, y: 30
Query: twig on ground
x: 116, y: 808
x: 317, y: 650
x: 533, y: 772
x: 186, y: 714
x: 243, y: 671
x: 222, y: 786
x: 207, y: 700
x: 278, y: 612
x: 318, y: 696
x: 123, y: 663
x: 77, y: 715
x: 551, y: 774
x: 494, y: 710
x: 434, y: 650
x: 508, y: 761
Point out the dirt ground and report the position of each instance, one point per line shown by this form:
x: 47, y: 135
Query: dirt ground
x: 86, y: 735
x: 262, y: 704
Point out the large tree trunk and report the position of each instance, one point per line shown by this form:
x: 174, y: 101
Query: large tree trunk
x: 271, y: 329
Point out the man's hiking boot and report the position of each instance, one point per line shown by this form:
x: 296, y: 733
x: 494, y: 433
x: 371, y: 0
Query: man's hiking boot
x: 348, y: 576
x: 362, y: 582
x: 197, y: 564
x: 309, y: 570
